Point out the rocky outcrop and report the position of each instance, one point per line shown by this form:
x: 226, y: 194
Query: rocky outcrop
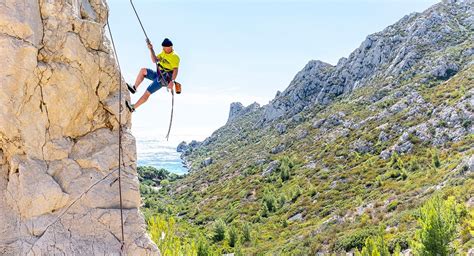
x: 237, y: 110
x: 59, y: 135
x: 183, y: 146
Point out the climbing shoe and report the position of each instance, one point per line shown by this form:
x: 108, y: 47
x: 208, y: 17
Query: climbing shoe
x: 132, y: 89
x: 130, y: 106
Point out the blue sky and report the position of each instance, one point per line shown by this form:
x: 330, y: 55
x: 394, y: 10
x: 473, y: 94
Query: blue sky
x: 238, y: 50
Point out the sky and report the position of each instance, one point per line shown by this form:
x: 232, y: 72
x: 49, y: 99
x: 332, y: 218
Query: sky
x: 237, y: 50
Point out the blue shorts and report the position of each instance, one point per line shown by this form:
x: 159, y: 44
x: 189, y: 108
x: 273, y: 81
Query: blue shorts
x: 156, y: 84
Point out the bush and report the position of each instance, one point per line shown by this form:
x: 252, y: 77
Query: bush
x: 286, y: 166
x: 219, y: 230
x: 392, y: 205
x: 151, y: 176
x: 435, y: 159
x: 374, y: 246
x: 233, y: 236
x: 165, y: 182
x: 466, y: 124
x: 163, y: 232
x: 246, y: 230
x: 264, y: 212
x: 395, y: 162
x: 203, y: 248
x: 295, y: 192
x: 354, y: 240
x: 269, y: 201
x: 397, y: 175
x: 281, y: 201
x: 438, y: 220
x: 413, y: 165
x: 400, y: 240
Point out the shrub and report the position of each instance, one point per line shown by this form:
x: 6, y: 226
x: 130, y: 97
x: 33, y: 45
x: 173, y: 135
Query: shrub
x: 233, y: 236
x: 396, y: 162
x: 281, y: 200
x: 354, y: 240
x: 219, y: 230
x: 246, y: 232
x: 264, y: 212
x: 269, y: 201
x: 295, y: 192
x: 399, y: 240
x: 435, y: 159
x: 165, y: 182
x: 374, y: 246
x: 413, y: 165
x: 286, y: 165
x: 163, y: 232
x: 466, y: 124
x: 392, y: 205
x: 203, y: 248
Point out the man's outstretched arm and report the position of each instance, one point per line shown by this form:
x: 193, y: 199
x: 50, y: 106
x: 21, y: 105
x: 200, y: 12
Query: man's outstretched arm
x: 152, y: 52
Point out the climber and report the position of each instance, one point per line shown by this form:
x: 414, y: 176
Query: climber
x: 168, y: 63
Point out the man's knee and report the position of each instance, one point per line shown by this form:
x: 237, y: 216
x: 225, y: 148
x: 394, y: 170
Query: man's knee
x: 146, y: 95
x: 143, y: 71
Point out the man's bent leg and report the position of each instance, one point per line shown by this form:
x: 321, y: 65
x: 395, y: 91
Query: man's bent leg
x: 141, y: 75
x: 142, y: 99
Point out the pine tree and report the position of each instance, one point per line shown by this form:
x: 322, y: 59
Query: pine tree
x: 219, y: 230
x: 438, y: 221
x: 233, y: 236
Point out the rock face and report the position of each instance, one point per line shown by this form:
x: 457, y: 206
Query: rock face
x: 59, y: 135
x: 237, y: 110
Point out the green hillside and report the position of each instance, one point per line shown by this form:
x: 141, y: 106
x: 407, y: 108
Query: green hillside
x: 360, y: 165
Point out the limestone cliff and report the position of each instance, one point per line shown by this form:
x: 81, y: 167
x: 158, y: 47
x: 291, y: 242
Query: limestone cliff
x: 59, y: 134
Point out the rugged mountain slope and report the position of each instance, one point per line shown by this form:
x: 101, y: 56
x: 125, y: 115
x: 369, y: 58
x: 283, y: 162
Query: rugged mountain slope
x: 59, y: 134
x: 400, y: 51
x: 346, y: 148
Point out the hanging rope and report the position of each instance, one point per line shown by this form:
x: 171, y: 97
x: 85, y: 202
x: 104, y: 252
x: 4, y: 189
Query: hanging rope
x: 171, y: 118
x: 158, y: 71
x: 120, y: 135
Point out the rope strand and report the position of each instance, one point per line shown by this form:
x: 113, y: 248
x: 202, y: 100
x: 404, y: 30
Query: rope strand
x: 158, y: 71
x: 120, y: 136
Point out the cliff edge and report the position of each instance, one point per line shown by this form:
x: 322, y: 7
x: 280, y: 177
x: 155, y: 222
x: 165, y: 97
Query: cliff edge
x: 59, y: 134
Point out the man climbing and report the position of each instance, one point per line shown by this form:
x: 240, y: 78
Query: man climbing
x: 168, y: 63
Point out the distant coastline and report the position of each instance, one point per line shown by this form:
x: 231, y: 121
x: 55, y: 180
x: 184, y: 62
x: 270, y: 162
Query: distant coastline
x: 159, y: 154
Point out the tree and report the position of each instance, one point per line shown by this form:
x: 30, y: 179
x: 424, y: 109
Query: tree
x: 438, y: 222
x: 233, y: 236
x: 219, y: 230
x: 164, y: 233
x: 435, y: 159
x: 375, y: 245
x: 246, y: 232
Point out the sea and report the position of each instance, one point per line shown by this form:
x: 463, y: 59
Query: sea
x: 156, y: 151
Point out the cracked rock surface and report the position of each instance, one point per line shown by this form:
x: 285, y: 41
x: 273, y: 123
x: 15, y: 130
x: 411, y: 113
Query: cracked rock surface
x: 59, y: 134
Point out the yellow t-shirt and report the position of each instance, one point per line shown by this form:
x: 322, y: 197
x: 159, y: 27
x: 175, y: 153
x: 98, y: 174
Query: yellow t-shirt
x: 168, y: 61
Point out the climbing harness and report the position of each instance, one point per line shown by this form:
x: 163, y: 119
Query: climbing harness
x: 158, y: 71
